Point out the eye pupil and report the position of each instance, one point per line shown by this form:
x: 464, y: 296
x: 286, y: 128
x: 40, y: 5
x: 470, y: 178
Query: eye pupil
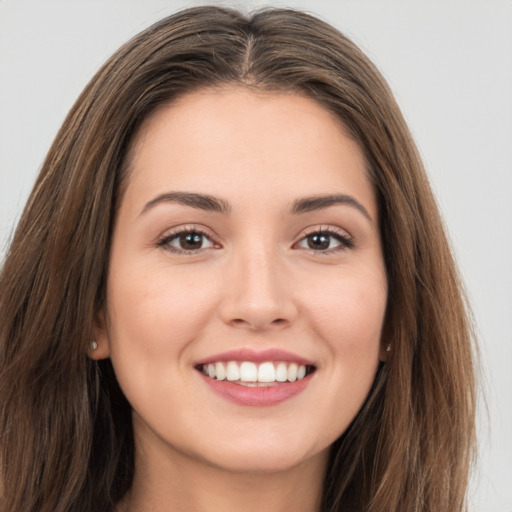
x: 318, y: 241
x: 191, y: 240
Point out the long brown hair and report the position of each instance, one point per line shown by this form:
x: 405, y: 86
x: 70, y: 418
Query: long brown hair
x: 65, y: 426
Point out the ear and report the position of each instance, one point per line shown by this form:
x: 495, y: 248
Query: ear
x: 99, y: 347
x: 387, y: 337
x: 385, y: 350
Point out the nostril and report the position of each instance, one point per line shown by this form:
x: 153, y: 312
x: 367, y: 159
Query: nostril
x: 240, y: 322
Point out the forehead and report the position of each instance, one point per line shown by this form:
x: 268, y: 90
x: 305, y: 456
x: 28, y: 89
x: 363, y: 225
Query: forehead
x: 238, y: 143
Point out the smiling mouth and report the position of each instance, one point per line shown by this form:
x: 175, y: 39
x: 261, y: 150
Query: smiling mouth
x: 250, y: 374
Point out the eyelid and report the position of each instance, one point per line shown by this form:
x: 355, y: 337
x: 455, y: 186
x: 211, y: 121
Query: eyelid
x: 164, y: 239
x: 345, y: 238
x: 326, y: 228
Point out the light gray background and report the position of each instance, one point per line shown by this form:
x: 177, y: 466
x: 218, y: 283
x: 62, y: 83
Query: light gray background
x: 450, y: 65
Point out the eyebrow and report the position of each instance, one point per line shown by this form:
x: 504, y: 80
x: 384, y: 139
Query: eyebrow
x: 315, y: 203
x: 214, y: 204
x: 199, y: 201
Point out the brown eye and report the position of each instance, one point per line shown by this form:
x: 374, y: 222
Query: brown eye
x: 319, y: 241
x: 190, y: 241
x: 325, y: 241
x: 187, y: 242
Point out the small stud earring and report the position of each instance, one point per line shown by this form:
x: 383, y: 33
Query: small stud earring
x: 94, y: 345
x: 388, y: 348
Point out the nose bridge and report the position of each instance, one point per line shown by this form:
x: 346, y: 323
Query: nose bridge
x: 261, y: 268
x: 257, y: 292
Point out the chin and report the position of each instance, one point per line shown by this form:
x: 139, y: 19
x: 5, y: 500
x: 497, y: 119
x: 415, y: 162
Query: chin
x: 261, y: 457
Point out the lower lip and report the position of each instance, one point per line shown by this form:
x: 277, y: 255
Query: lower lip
x: 256, y: 396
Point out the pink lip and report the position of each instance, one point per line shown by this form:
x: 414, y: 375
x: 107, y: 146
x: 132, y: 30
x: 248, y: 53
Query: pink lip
x: 246, y: 354
x: 256, y: 396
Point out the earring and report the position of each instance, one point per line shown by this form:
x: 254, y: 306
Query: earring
x: 388, y: 348
x: 94, y: 345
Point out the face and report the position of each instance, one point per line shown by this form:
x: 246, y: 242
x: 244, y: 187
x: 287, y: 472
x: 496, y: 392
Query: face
x: 246, y: 288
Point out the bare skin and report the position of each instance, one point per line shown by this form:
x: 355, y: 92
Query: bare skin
x: 189, y: 487
x: 221, y: 244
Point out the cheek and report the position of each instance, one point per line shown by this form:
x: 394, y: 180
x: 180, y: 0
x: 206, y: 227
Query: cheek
x: 155, y: 316
x: 348, y: 317
x: 349, y: 313
x: 155, y: 313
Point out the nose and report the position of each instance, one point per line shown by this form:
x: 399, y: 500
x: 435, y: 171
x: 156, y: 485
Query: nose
x: 257, y: 294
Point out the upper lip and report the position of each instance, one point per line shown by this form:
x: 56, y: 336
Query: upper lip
x: 256, y: 356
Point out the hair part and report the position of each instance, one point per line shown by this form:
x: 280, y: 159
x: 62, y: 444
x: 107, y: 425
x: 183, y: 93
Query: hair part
x: 65, y: 426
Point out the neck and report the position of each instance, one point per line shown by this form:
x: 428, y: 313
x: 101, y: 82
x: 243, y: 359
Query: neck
x: 173, y: 481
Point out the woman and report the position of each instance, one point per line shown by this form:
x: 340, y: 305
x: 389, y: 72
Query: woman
x: 231, y: 288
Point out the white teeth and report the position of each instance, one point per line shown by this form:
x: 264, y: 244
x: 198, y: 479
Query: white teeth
x: 292, y: 372
x: 220, y: 371
x: 249, y: 373
x: 281, y: 372
x: 232, y: 372
x: 266, y: 372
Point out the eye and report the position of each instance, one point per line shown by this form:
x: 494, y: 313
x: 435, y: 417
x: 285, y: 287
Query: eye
x: 188, y: 241
x: 325, y: 240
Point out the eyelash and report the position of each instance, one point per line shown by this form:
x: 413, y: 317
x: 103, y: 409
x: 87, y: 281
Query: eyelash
x: 192, y: 230
x: 345, y: 241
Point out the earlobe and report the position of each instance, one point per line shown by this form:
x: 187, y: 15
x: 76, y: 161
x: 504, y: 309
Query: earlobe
x: 385, y: 351
x: 98, y: 349
x: 99, y: 346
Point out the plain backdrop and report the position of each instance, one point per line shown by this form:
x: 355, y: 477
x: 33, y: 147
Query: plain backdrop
x: 450, y: 65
